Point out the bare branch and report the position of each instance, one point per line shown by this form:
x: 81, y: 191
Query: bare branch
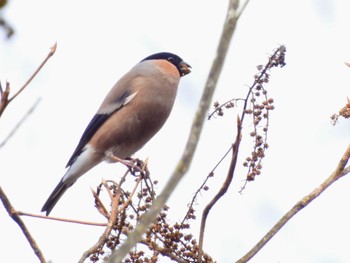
x: 203, y: 185
x: 241, y: 10
x: 277, y: 59
x: 113, y: 216
x: 4, y: 97
x: 15, y: 216
x: 49, y: 55
x: 20, y: 213
x: 344, y: 112
x: 339, y: 172
x: 14, y: 130
x: 4, y: 101
x: 345, y: 171
x: 98, y: 203
x: 170, y: 254
x: 223, y: 188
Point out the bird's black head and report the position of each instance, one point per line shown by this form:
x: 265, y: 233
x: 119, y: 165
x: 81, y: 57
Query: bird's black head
x: 181, y: 65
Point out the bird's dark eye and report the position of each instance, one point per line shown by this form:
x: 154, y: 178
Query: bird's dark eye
x: 171, y: 60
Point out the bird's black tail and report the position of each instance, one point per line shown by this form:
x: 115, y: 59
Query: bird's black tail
x: 57, y: 193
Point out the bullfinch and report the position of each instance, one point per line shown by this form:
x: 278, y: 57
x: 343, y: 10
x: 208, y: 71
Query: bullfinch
x: 131, y: 114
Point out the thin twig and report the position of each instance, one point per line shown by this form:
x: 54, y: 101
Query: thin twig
x: 110, y: 194
x: 258, y: 79
x: 241, y: 10
x: 127, y: 163
x: 14, y: 130
x: 345, y: 171
x: 4, y: 97
x: 5, y: 101
x: 222, y: 190
x: 15, y: 216
x: 192, y: 142
x: 113, y: 217
x: 217, y: 109
x: 49, y: 55
x: 111, y: 222
x: 62, y: 219
x: 99, y: 205
x: 168, y: 252
x: 339, y: 172
x: 274, y: 60
x: 210, y: 175
x: 128, y: 200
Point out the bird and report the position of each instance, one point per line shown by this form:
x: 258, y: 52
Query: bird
x: 133, y: 111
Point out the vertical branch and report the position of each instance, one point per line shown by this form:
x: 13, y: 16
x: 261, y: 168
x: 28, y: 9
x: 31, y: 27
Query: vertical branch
x: 223, y: 188
x: 196, y: 129
x: 276, y: 59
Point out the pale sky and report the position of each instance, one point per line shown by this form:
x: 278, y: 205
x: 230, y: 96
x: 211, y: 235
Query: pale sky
x: 99, y: 42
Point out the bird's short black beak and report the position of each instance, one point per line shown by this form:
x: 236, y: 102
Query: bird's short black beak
x: 184, y: 68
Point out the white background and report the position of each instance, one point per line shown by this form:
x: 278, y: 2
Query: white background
x: 100, y: 41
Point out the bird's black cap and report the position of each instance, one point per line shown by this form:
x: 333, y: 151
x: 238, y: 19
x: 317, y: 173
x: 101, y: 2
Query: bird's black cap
x: 181, y: 66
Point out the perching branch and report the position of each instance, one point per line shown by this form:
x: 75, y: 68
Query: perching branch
x: 197, y: 125
x: 14, y: 215
x: 112, y: 220
x: 339, y: 172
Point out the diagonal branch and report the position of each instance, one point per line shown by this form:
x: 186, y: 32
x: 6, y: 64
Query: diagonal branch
x: 22, y: 120
x: 4, y: 94
x: 14, y: 215
x: 339, y: 172
x: 4, y: 100
x: 60, y: 219
x: 49, y: 55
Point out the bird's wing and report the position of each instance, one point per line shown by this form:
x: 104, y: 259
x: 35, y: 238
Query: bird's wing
x: 97, y: 121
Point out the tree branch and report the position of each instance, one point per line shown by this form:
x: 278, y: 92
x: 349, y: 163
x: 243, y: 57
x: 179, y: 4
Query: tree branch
x: 5, y: 101
x: 22, y: 120
x: 339, y: 172
x: 223, y: 188
x: 20, y: 213
x: 112, y: 218
x: 14, y: 215
x: 4, y: 94
x: 49, y: 55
